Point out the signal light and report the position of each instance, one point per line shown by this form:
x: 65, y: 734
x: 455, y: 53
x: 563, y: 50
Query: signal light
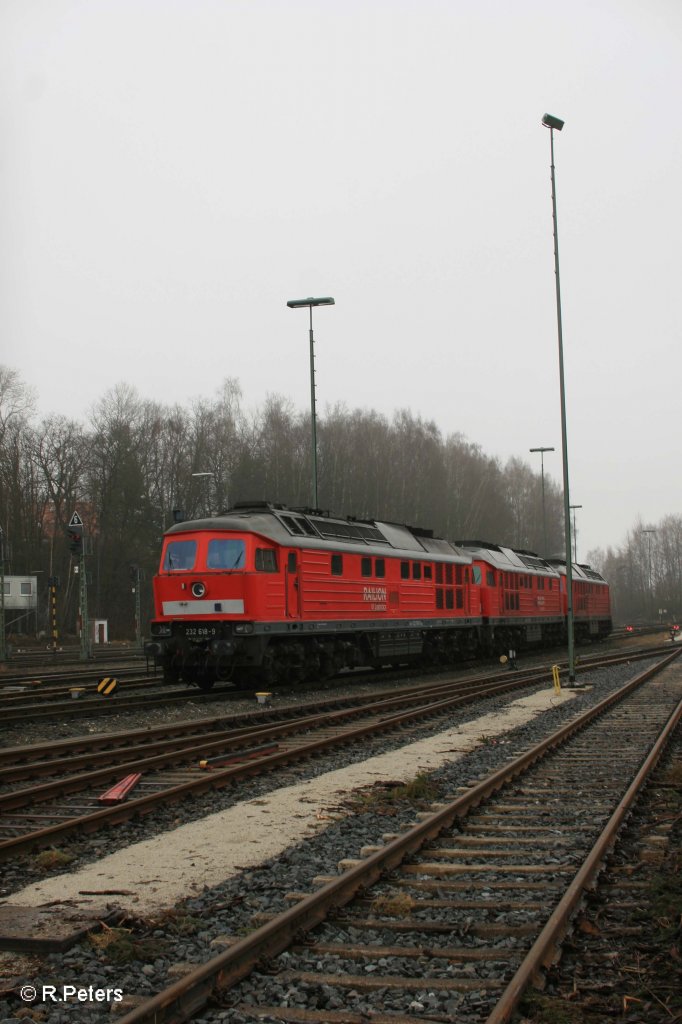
x: 75, y: 536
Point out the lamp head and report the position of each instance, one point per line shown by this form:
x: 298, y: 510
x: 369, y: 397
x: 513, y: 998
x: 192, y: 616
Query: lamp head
x: 550, y: 121
x: 297, y: 303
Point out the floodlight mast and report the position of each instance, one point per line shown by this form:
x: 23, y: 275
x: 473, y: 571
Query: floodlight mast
x: 297, y: 304
x: 542, y: 472
x: 556, y: 124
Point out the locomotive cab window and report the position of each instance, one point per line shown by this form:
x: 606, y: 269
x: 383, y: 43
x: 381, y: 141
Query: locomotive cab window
x: 225, y: 553
x: 180, y: 556
x: 266, y: 560
x: 291, y: 561
x: 476, y: 570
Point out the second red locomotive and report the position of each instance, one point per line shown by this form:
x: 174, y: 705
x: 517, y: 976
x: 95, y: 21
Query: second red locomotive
x: 267, y: 594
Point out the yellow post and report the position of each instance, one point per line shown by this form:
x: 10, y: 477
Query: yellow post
x: 555, y: 676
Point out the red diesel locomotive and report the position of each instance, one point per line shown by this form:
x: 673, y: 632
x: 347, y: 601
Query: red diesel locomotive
x: 264, y: 593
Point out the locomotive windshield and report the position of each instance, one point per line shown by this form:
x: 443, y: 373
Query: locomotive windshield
x: 225, y: 553
x: 180, y: 555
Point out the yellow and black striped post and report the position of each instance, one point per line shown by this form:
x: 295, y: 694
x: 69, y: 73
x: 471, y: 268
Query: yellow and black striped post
x: 53, y: 612
x: 106, y: 686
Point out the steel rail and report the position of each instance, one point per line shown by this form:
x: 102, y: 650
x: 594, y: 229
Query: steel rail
x: 293, y: 718
x: 179, y: 1001
x: 545, y: 950
x: 220, y: 777
x: 100, y: 706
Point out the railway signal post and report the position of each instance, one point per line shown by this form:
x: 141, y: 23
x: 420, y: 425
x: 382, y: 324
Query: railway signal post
x: 75, y: 534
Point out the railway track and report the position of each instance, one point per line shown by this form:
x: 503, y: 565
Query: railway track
x: 169, y: 758
x: 453, y: 918
x: 57, y: 702
x: 176, y: 762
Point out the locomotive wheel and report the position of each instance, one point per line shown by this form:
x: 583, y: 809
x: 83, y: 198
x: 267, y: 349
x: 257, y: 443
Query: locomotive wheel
x: 205, y: 684
x: 171, y: 674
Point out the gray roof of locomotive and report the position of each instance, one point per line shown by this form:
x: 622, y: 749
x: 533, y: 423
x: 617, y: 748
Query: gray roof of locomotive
x: 509, y: 559
x: 311, y: 529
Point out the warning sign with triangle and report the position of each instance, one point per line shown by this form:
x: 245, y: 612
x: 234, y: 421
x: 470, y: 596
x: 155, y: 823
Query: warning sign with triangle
x: 75, y: 520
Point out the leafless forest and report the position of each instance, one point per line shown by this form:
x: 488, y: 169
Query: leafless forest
x: 132, y: 463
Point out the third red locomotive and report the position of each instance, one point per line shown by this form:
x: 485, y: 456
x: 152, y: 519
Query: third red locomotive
x: 264, y: 594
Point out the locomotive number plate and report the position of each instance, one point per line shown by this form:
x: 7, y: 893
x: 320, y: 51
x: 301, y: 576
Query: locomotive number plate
x: 198, y: 632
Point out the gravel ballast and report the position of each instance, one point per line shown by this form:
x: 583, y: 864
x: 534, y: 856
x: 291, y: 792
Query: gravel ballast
x: 276, y: 851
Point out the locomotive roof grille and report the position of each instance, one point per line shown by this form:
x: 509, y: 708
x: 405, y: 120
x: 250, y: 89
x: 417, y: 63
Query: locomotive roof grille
x: 592, y: 574
x: 293, y: 525
x: 350, y: 531
x: 533, y: 562
x: 484, y: 544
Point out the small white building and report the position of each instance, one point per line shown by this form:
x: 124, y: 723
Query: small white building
x: 21, y: 603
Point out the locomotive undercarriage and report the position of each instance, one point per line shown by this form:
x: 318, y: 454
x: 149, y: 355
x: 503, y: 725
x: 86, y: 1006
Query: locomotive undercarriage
x: 190, y: 656
x: 518, y: 636
x: 280, y: 660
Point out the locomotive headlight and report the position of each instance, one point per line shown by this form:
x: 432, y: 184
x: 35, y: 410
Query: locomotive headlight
x: 244, y: 627
x: 198, y: 589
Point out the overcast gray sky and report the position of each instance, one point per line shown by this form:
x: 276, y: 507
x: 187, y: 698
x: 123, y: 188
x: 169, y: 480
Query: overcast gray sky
x: 172, y: 171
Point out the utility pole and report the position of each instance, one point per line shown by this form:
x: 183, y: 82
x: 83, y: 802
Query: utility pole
x: 3, y: 645
x: 135, y: 578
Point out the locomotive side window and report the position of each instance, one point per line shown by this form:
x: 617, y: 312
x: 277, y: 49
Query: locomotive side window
x: 439, y: 572
x: 266, y: 560
x: 379, y: 568
x: 490, y: 578
x: 225, y: 553
x: 416, y: 571
x: 365, y: 566
x: 476, y: 573
x: 404, y: 570
x: 180, y: 556
x: 291, y: 561
x: 428, y: 572
x: 337, y: 565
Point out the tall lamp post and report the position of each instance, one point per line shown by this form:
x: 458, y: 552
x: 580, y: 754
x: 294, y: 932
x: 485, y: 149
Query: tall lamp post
x: 3, y: 645
x: 575, y: 533
x: 296, y: 304
x: 206, y: 476
x: 648, y: 536
x: 555, y: 124
x: 542, y: 474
